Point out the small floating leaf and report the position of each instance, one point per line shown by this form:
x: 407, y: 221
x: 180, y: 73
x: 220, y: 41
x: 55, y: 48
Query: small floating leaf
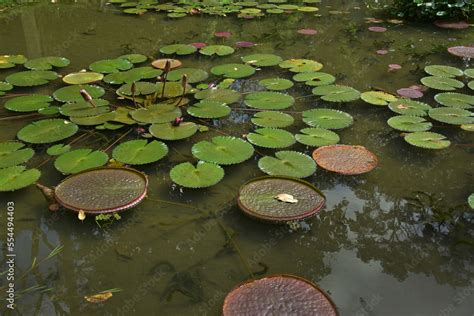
x: 31, y: 78
x: 219, y: 50
x: 132, y: 75
x: 276, y: 84
x: 272, y: 119
x: 315, y: 78
x: 134, y: 58
x: 221, y: 95
x: 204, y: 175
x: 409, y: 107
x: 139, y: 152
x: 317, y: 137
x: 337, y: 93
x: 58, y: 149
x: 28, y: 103
x: 101, y: 297
x: 209, y: 109
x: 271, y: 138
x: 107, y: 66
x: 262, y: 60
x: 141, y: 88
x: 82, y: 77
x: 178, y: 49
x: 443, y: 71
x: 269, y: 100
x: 223, y: 150
x: 407, y: 123
x: 301, y: 65
x: 441, y: 83
x: 93, y: 119
x: 455, y: 100
x: 427, y: 140
x: 12, y: 154
x: 156, y: 113
x: 161, y: 63
x: 46, y: 63
x: 83, y: 108
x: 377, y: 97
x: 194, y: 75
x: 17, y: 177
x: 233, y: 70
x: 79, y: 160
x: 47, y: 131
x: 470, y: 200
x: 10, y: 61
x: 327, y: 118
x: 169, y: 131
x: 5, y: 86
x: 287, y: 198
x: 288, y: 163
x: 73, y: 93
x: 451, y: 116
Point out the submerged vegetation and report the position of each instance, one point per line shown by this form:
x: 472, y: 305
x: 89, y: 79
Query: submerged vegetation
x: 431, y: 10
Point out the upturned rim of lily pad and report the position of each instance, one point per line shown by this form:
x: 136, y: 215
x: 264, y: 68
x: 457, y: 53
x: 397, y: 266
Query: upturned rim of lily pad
x: 281, y: 219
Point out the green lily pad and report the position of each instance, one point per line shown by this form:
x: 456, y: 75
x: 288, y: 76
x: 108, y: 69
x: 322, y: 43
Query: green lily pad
x: 315, y: 78
x: 82, y: 108
x: 469, y: 72
x: 455, y: 100
x: 194, y: 75
x: 317, y: 137
x: 443, y: 71
x: 136, y: 11
x: 79, y: 160
x: 156, y: 113
x: 50, y: 110
x: 272, y: 119
x: 72, y: 93
x: 441, y: 83
x: 107, y: 66
x: 327, y: 118
x: 378, y: 97
x: 276, y: 84
x: 5, y: 86
x: 223, y: 150
x: 451, y: 116
x: 219, y: 50
x: 28, y: 103
x: 233, y: 70
x: 262, y: 60
x: 46, y: 63
x: 209, y: 109
x: 172, y: 89
x: 407, y: 123
x: 288, y: 163
x: 17, y: 177
x: 204, y: 175
x: 409, y: 107
x: 141, y: 88
x: 135, y: 58
x: 269, y: 100
x: 10, y: 61
x: 178, y: 49
x: 169, y: 131
x: 132, y: 75
x: 58, y: 149
x: 93, y: 119
x: 470, y: 200
x: 140, y: 152
x: 271, y: 138
x: 275, y: 11
x: 31, y: 78
x: 110, y: 126
x: 221, y: 95
x: 84, y: 77
x: 47, y: 131
x: 122, y: 115
x: 470, y: 85
x: 427, y: 140
x: 337, y: 93
x: 301, y: 65
x: 13, y: 153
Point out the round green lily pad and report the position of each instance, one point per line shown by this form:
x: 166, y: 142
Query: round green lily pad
x: 10, y: 61
x: 276, y: 84
x: 135, y: 58
x: 169, y: 131
x: 223, y: 150
x: 409, y: 107
x: 221, y: 95
x: 301, y: 65
x: 470, y: 200
x: 219, y: 50
x: 267, y: 100
x: 442, y: 83
x: 209, y: 109
x: 469, y: 72
x: 141, y: 88
x: 12, y: 154
x: 194, y: 75
x: 470, y: 84
x: 262, y: 60
x: 17, y: 177
x: 132, y: 75
x: 203, y: 175
x: 178, y: 49
x: 72, y: 93
x: 233, y: 70
x: 337, y: 93
x: 315, y: 78
x: 317, y: 137
x: 427, y: 140
x: 84, y: 77
x: 156, y: 113
x: 79, y: 160
x: 455, y: 100
x: 139, y: 152
x: 58, y: 149
x: 31, y: 78
x: 407, y: 123
x: 93, y: 119
x: 451, y: 116
x: 271, y: 138
x: 5, y: 86
x: 272, y: 119
x: 107, y: 66
x: 46, y: 63
x: 443, y: 71
x: 28, y: 103
x: 327, y: 118
x: 288, y: 163
x: 83, y: 108
x: 47, y: 131
x: 377, y: 97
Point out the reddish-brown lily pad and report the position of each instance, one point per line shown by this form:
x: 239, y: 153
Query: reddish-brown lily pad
x: 278, y: 295
x: 455, y: 25
x: 345, y: 159
x: 377, y: 29
x: 462, y: 51
x: 410, y: 93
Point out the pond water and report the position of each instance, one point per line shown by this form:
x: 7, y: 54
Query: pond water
x: 366, y: 248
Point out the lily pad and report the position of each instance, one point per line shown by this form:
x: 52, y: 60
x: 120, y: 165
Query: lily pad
x: 17, y: 177
x: 233, y: 70
x: 223, y: 150
x: 269, y: 100
x: 47, y: 131
x: 107, y: 66
x: 31, y: 78
x: 83, y: 108
x: 93, y: 119
x: 262, y: 60
x: 194, y: 75
x: 79, y: 160
x: 204, y: 175
x: 169, y: 131
x: 337, y: 93
x: 58, y: 149
x: 46, y: 63
x: 327, y: 118
x: 301, y: 65
x: 276, y: 84
x: 141, y: 88
x: 409, y: 107
x: 132, y: 75
x: 271, y: 138
x: 272, y: 119
x: 469, y: 72
x: 178, y: 49
x: 219, y: 50
x: 161, y: 63
x: 28, y: 103
x: 221, y: 95
x: 135, y: 58
x: 317, y: 137
x: 455, y: 100
x: 84, y: 77
x: 156, y: 113
x: 378, y: 97
x: 345, y: 159
x: 315, y: 78
x: 407, y: 123
x: 10, y: 61
x: 427, y: 140
x: 72, y: 93
x: 288, y: 163
x: 470, y: 200
x: 209, y: 109
x: 443, y: 71
x: 5, y: 86
x: 470, y: 85
x: 139, y: 152
x: 451, y: 116
x: 442, y: 83
x: 12, y: 154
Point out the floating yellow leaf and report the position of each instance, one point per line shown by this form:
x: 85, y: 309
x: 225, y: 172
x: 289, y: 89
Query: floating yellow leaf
x: 287, y: 198
x: 98, y: 298
x: 81, y: 215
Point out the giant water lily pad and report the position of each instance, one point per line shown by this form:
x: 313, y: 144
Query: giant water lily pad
x: 407, y: 123
x: 17, y: 177
x: 271, y: 138
x: 132, y: 75
x: 102, y: 190
x: 170, y: 131
x: 345, y: 159
x: 193, y: 74
x: 72, y: 93
x: 108, y: 66
x: 427, y: 140
x: 221, y: 95
x: 13, y: 153
x: 233, y: 70
x: 31, y: 78
x: 336, y: 93
x: 272, y: 119
x: 409, y: 107
x: 79, y: 160
x: 301, y: 65
x: 203, y: 175
x: 378, y: 97
x: 209, y: 109
x: 178, y: 49
x: 46, y: 63
x: 258, y: 199
x: 288, y: 163
x: 47, y: 131
x: 219, y: 50
x: 276, y: 83
x: 262, y: 60
x: 268, y: 100
x: 10, y: 61
x: 156, y: 113
x: 315, y: 78
x: 83, y: 77
x: 139, y: 152
x: 443, y: 71
x: 223, y: 150
x: 317, y: 137
x: 455, y: 100
x: 442, y: 83
x: 28, y: 103
x: 327, y: 118
x: 451, y: 116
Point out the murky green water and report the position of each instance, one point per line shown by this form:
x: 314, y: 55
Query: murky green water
x: 365, y: 248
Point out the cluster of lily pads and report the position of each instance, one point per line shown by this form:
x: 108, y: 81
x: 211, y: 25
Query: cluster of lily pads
x: 243, y: 9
